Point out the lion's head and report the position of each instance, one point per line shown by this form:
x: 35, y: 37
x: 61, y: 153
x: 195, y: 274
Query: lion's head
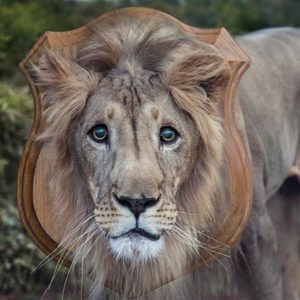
x: 136, y: 144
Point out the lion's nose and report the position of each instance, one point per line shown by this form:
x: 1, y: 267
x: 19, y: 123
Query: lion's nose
x: 137, y: 205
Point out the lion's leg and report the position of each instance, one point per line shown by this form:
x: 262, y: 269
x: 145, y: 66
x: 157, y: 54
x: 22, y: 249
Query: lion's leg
x: 257, y: 260
x: 284, y: 210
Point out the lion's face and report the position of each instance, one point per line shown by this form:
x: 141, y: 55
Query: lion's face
x: 136, y: 145
x: 137, y: 148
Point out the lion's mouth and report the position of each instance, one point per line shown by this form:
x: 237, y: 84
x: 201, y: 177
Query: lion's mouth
x: 138, y: 232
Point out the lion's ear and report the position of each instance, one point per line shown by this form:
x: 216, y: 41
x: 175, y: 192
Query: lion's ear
x: 198, y: 73
x: 65, y: 87
x: 59, y: 78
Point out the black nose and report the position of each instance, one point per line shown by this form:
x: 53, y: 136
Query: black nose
x: 137, y: 205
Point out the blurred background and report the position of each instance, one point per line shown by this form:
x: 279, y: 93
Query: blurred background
x: 21, y: 23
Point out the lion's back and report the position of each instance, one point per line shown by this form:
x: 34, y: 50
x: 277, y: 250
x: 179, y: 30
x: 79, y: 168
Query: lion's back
x: 269, y: 95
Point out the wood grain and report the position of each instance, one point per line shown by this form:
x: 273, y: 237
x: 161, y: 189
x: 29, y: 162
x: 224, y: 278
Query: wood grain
x: 33, y: 194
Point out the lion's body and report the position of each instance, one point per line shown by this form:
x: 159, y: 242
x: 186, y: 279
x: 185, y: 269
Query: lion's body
x: 269, y: 96
x: 131, y: 89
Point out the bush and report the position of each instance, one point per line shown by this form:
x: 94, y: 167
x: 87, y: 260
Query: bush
x: 17, y: 253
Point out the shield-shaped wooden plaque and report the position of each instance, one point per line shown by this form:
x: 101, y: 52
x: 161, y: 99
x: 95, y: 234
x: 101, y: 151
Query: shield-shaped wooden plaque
x: 33, y: 197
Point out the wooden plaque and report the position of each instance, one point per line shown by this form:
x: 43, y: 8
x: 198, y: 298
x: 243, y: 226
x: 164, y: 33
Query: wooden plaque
x: 33, y: 194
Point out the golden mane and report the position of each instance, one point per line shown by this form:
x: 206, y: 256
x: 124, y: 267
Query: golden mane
x: 195, y: 75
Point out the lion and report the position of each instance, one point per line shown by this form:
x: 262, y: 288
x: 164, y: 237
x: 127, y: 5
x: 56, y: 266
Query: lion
x: 138, y: 173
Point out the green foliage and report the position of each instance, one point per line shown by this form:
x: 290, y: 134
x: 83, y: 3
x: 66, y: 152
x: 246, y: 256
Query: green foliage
x: 21, y: 22
x: 15, y: 118
x: 17, y: 253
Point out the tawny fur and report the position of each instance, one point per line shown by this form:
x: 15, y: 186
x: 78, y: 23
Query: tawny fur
x: 194, y: 76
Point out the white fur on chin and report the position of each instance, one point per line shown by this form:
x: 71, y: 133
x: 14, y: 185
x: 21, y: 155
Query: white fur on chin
x: 134, y: 247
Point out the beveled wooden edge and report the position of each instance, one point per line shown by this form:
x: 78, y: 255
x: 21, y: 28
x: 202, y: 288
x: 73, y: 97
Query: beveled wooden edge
x: 238, y: 162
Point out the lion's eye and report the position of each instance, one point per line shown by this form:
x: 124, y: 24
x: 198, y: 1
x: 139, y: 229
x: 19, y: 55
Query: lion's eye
x: 168, y: 135
x: 99, y: 133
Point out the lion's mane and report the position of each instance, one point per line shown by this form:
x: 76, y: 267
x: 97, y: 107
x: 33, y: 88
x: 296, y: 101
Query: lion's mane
x: 195, y: 75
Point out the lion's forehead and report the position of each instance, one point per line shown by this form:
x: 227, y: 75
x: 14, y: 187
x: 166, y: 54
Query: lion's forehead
x: 133, y: 91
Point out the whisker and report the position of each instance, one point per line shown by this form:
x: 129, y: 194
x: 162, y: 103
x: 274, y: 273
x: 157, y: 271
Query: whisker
x: 77, y: 251
x: 60, y: 263
x: 197, y: 243
x: 204, y: 234
x: 184, y: 238
x: 55, y: 272
x: 82, y: 264
x: 188, y: 213
x: 54, y: 253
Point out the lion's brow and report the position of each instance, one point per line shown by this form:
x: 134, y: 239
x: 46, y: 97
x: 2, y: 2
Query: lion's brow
x: 135, y: 97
